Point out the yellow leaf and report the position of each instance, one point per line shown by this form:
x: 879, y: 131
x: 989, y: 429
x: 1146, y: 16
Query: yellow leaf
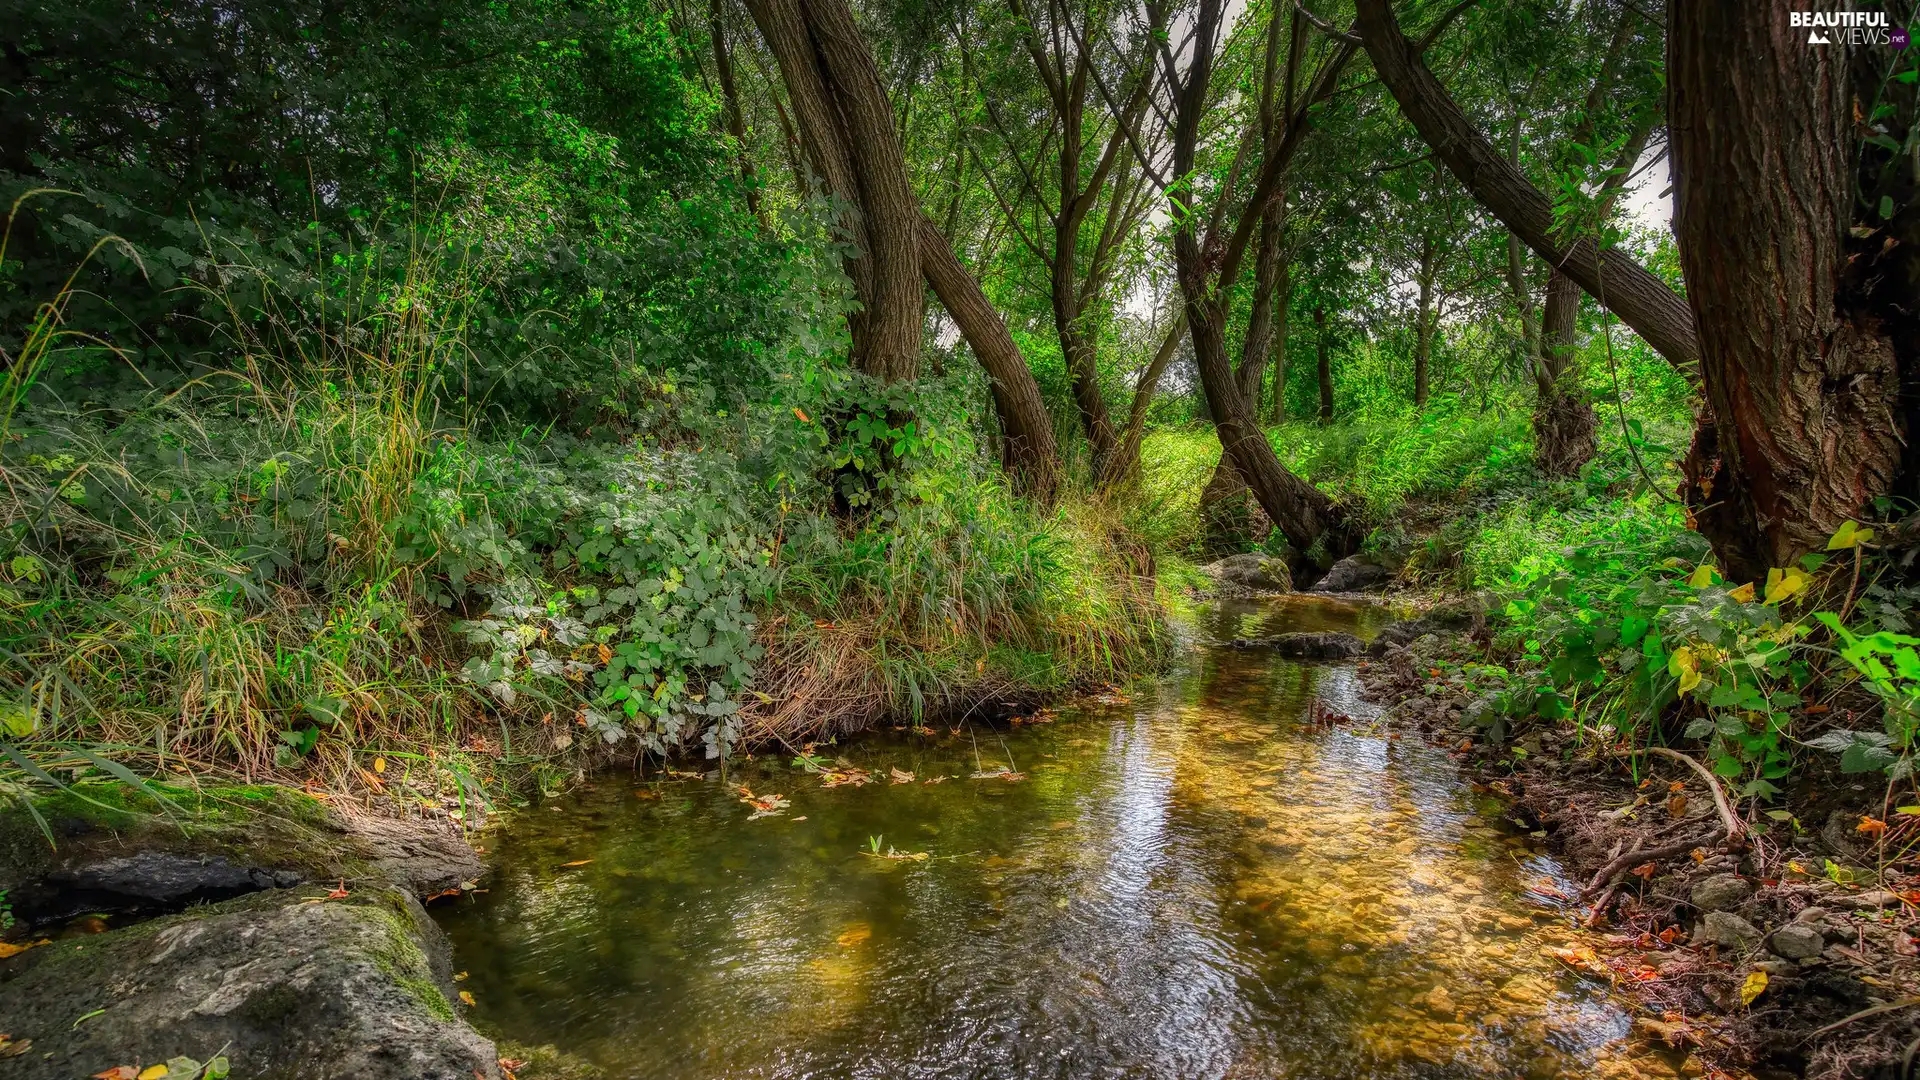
x: 1688, y: 680
x: 1784, y: 583
x: 466, y: 997
x: 1848, y: 535
x: 8, y: 949
x: 577, y: 862
x: 1743, y: 594
x: 379, y: 766
x: 153, y: 1072
x: 854, y: 934
x: 1755, y: 985
x: 1702, y: 577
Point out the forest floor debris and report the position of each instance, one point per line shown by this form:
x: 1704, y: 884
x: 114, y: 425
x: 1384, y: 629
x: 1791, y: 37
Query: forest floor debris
x: 1780, y: 940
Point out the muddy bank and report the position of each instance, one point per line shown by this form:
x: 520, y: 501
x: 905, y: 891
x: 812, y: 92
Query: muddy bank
x: 253, y: 923
x: 1755, y: 940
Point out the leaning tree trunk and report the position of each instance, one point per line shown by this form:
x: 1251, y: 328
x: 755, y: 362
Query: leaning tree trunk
x: 1299, y: 510
x: 1802, y: 359
x: 1027, y: 447
x: 1642, y: 301
x: 1123, y: 467
x: 1228, y: 522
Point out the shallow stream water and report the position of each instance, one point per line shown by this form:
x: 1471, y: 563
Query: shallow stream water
x: 1200, y: 878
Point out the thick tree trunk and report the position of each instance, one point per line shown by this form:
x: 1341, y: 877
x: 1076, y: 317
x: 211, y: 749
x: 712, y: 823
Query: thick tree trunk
x: 1326, y: 365
x: 1642, y: 301
x: 847, y: 128
x: 1027, y: 448
x: 1803, y: 373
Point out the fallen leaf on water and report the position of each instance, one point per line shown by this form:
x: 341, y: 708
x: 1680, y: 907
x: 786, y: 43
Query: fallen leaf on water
x: 1753, y: 987
x: 854, y: 935
x: 900, y: 776
x: 118, y: 1072
x: 8, y: 948
x: 576, y: 862
x: 847, y: 777
x: 763, y: 805
x: 9, y: 1047
x: 153, y: 1072
x: 466, y: 997
x: 460, y: 976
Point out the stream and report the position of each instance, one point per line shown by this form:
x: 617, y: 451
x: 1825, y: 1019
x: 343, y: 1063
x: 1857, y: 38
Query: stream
x: 1197, y: 877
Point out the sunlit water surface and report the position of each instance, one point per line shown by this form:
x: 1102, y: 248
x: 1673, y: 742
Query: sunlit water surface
x: 1191, y: 880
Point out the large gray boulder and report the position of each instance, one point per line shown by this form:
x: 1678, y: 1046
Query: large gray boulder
x: 1249, y: 575
x: 291, y: 984
x: 1355, y: 573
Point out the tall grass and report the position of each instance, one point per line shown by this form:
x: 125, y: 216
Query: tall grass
x: 264, y: 568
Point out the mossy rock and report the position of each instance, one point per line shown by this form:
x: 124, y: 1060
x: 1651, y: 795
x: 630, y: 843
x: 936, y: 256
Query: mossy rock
x: 111, y: 847
x: 292, y: 984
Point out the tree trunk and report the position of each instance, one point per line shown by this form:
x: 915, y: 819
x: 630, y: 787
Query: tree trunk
x: 735, y: 118
x: 1565, y: 429
x: 1277, y: 414
x: 1124, y: 466
x: 847, y: 128
x: 1802, y: 364
x: 1423, y: 332
x: 1228, y: 522
x: 1642, y: 301
x: 1027, y: 448
x: 1298, y: 509
x: 1326, y: 366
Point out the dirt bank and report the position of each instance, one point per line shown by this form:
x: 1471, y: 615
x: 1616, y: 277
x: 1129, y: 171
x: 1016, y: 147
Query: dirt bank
x: 1776, y: 940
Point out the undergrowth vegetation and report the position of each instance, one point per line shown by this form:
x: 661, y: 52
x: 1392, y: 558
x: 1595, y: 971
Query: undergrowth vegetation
x: 325, y: 549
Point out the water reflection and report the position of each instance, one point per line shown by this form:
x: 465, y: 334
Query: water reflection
x: 1195, y: 882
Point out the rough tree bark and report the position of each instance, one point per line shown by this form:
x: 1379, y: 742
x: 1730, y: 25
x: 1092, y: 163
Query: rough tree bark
x: 1283, y: 301
x: 1803, y: 358
x: 847, y: 129
x: 1028, y: 452
x: 1642, y: 301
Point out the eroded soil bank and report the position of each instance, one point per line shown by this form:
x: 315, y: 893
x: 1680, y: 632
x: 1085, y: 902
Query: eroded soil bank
x: 1786, y: 950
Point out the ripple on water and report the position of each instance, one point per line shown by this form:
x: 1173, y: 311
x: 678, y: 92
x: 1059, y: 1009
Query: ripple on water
x: 1190, y: 882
